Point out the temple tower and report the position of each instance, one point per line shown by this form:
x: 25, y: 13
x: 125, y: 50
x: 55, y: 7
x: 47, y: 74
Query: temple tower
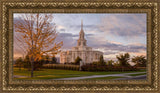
x: 81, y: 41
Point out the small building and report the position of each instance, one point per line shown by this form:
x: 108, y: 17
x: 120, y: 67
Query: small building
x: 82, y: 50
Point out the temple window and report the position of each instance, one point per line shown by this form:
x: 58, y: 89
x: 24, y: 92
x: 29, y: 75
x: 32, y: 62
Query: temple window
x: 96, y: 56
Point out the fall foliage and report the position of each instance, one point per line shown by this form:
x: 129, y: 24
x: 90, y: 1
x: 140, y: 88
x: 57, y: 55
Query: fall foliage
x: 38, y: 35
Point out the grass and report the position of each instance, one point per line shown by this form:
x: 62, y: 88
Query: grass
x: 56, y: 73
x: 137, y: 74
x: 101, y: 78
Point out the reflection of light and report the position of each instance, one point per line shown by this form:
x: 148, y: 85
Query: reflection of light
x: 17, y: 56
x: 110, y: 56
x: 100, y: 49
x: 138, y: 54
x: 131, y: 63
x: 114, y: 42
x: 60, y: 27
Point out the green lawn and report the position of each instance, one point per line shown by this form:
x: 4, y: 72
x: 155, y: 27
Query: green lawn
x: 137, y: 74
x: 101, y: 78
x: 56, y: 73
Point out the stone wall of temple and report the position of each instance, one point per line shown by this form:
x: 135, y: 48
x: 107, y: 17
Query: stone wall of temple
x: 86, y: 56
x: 82, y: 50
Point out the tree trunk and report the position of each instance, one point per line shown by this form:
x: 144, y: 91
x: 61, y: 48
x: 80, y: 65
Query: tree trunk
x: 32, y: 67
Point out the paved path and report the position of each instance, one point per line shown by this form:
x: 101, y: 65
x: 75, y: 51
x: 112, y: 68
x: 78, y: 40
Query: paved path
x: 126, y: 75
x: 141, y: 77
x: 19, y: 76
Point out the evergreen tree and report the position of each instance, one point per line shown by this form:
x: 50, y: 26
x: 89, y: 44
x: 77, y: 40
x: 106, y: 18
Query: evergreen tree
x: 54, y: 60
x: 110, y: 63
x: 27, y: 63
x: 101, y: 60
x: 19, y: 63
x: 77, y: 60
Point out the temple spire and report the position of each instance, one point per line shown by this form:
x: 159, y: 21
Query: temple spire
x: 81, y: 40
x: 81, y: 24
x: 81, y: 34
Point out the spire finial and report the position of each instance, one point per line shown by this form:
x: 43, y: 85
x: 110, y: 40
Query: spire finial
x: 81, y: 24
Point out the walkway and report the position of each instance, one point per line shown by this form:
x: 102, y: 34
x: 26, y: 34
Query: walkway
x: 126, y: 75
x: 140, y: 77
x: 19, y: 76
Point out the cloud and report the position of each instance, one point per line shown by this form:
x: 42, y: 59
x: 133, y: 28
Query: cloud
x: 60, y: 28
x: 69, y: 39
x: 84, y: 26
x: 110, y: 33
x: 124, y: 25
x: 112, y: 47
x: 122, y: 48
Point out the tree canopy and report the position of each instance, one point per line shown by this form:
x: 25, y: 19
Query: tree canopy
x: 77, y: 60
x: 101, y: 60
x: 110, y: 63
x: 140, y: 61
x: 123, y: 59
x: 19, y: 62
x: 38, y: 36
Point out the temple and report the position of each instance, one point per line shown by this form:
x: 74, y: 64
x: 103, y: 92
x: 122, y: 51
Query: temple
x: 82, y: 50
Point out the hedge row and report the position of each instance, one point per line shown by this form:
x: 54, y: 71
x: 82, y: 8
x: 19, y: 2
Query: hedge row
x: 88, y: 67
x: 108, y: 68
x: 61, y: 66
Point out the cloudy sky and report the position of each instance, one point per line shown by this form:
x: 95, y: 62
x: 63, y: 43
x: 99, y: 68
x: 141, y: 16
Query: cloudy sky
x: 110, y: 33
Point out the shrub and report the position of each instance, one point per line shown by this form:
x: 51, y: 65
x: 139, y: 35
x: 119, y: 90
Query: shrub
x: 19, y: 63
x: 93, y: 67
x: 77, y: 60
x: 61, y: 66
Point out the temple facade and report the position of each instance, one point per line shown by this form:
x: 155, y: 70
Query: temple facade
x: 82, y: 50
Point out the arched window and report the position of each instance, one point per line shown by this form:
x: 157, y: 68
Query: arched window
x: 96, y: 56
x: 73, y: 55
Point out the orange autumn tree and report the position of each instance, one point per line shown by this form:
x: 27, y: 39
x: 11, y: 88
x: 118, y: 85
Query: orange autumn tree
x: 38, y: 34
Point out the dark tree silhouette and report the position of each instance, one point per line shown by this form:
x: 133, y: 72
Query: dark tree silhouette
x: 109, y: 63
x: 77, y: 60
x: 47, y: 59
x: 101, y: 60
x: 140, y: 61
x: 54, y: 60
x: 19, y: 63
x: 123, y: 59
